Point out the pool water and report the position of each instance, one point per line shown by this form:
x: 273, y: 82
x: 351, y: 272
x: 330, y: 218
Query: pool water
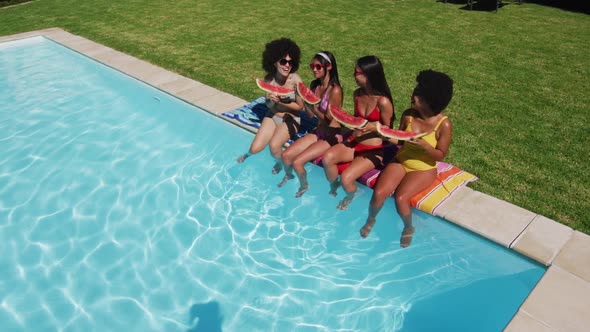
x: 122, y: 208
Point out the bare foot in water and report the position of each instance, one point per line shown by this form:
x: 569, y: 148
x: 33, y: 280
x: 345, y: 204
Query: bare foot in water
x: 243, y: 157
x: 367, y: 227
x: 407, y: 235
x: 345, y: 201
x: 301, y: 191
x: 334, y: 187
x: 286, y: 178
x: 277, y: 168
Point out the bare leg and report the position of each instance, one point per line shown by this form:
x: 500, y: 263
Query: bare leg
x: 358, y: 167
x: 314, y: 151
x: 277, y: 141
x: 337, y: 154
x: 292, y: 152
x: 262, y: 138
x: 411, y: 184
x: 389, y: 179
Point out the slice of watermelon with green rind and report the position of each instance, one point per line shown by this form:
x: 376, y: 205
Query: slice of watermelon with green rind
x: 307, y: 95
x: 401, y: 135
x: 346, y: 119
x: 279, y: 90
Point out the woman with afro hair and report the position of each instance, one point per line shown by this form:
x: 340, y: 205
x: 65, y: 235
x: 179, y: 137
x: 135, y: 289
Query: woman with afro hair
x: 280, y: 61
x: 414, y: 167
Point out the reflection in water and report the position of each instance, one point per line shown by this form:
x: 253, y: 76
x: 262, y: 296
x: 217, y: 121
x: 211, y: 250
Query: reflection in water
x: 208, y: 315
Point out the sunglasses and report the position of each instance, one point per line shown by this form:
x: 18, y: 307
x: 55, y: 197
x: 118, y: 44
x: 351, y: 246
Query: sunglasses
x: 358, y: 72
x: 284, y: 62
x: 316, y: 66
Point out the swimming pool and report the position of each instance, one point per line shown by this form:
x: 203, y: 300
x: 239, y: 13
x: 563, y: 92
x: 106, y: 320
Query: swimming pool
x: 122, y: 207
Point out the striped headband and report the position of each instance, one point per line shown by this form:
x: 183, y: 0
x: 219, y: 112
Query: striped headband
x: 325, y: 56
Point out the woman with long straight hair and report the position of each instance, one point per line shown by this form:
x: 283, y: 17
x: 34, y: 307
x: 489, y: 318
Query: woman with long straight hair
x: 364, y: 148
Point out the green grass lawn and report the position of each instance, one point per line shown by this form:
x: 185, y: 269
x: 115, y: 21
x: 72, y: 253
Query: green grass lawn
x: 521, y: 106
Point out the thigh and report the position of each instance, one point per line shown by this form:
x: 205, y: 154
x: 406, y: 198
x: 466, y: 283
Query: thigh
x: 314, y: 151
x: 280, y: 135
x: 415, y: 182
x: 358, y: 167
x: 390, y: 178
x: 339, y: 153
x: 265, y: 132
x: 301, y: 145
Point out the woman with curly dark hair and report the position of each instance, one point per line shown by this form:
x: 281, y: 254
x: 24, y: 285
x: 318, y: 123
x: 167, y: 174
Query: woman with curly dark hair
x: 326, y: 86
x: 280, y: 61
x: 414, y: 166
x: 364, y: 148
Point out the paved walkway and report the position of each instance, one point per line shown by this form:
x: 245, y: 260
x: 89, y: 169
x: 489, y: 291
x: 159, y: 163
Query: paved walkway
x: 559, y: 302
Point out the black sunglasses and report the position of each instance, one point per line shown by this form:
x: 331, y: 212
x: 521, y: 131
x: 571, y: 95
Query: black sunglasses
x: 284, y: 61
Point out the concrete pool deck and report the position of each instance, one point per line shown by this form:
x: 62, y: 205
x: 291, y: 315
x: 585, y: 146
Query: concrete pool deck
x: 560, y: 300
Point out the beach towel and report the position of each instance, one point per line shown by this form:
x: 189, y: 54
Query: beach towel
x: 252, y: 114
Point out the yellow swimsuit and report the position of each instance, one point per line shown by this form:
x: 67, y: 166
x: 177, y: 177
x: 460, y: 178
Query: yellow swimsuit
x: 413, y: 158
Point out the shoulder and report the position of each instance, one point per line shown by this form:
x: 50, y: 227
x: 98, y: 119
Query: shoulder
x: 446, y: 123
x: 295, y: 78
x: 384, y: 103
x: 336, y: 90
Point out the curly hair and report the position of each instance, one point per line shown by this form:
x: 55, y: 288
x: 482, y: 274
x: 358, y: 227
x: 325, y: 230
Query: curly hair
x: 278, y: 49
x: 435, y: 88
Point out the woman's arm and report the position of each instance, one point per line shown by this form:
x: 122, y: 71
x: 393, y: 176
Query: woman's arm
x: 444, y: 134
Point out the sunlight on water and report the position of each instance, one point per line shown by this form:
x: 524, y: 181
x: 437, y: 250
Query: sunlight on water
x: 122, y: 208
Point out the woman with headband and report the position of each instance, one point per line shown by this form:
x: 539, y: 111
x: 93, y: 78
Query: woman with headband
x: 280, y: 60
x: 327, y: 87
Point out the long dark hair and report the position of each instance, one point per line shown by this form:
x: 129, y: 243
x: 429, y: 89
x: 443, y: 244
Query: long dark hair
x: 276, y: 50
x: 373, y: 70
x: 334, y: 80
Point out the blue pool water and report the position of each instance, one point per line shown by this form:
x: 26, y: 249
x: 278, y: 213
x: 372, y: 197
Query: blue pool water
x: 122, y: 208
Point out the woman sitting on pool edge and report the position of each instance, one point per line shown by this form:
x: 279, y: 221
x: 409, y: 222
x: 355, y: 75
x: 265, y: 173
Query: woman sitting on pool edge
x: 364, y: 148
x: 414, y: 166
x: 327, y: 133
x: 280, y: 61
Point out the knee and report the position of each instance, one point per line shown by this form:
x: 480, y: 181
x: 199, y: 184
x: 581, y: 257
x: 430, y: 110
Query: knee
x: 346, y: 178
x: 402, y: 199
x: 298, y: 164
x: 276, y: 149
x: 329, y: 158
x: 287, y: 156
x: 379, y: 197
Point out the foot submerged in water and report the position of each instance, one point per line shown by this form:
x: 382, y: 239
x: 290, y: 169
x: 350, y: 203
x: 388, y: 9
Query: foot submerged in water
x: 407, y: 236
x: 277, y: 168
x: 286, y: 178
x: 301, y: 191
x: 334, y: 188
x: 343, y: 205
x: 366, y: 229
x: 243, y: 157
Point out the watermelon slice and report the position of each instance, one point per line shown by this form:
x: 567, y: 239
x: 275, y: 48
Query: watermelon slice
x: 397, y: 134
x: 279, y: 90
x: 307, y: 95
x: 346, y: 119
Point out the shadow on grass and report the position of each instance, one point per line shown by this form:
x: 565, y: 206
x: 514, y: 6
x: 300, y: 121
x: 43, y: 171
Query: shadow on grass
x: 579, y: 6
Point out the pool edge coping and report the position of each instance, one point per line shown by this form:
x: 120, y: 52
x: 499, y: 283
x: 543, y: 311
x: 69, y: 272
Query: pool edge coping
x: 543, y: 240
